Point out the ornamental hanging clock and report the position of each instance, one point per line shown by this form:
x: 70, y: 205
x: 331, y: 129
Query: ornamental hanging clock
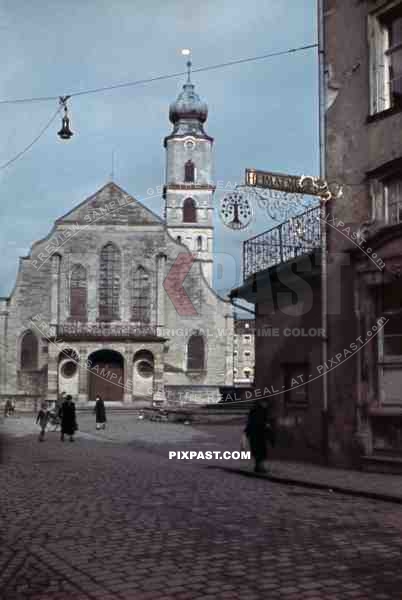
x: 236, y: 211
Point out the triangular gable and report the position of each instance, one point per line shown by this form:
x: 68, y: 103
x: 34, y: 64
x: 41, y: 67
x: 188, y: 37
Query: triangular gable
x: 111, y: 206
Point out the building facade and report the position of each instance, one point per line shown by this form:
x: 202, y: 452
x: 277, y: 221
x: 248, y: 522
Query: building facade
x: 243, y: 352
x: 363, y: 154
x: 99, y: 307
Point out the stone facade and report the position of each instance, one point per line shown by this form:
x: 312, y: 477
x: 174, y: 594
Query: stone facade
x: 244, y: 352
x: 99, y: 308
x: 363, y: 151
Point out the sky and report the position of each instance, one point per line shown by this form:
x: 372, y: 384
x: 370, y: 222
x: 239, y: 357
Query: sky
x: 262, y: 114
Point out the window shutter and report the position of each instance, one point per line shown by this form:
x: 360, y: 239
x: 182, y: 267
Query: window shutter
x: 373, y: 63
x: 379, y: 65
x: 378, y: 207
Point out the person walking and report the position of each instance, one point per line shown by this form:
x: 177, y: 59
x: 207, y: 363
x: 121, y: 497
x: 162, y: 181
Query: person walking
x: 59, y: 401
x: 68, y: 418
x: 100, y: 413
x: 42, y: 419
x: 259, y: 430
x: 8, y: 408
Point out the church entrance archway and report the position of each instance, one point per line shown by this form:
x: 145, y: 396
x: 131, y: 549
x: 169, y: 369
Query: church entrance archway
x: 106, y: 376
x: 143, y: 375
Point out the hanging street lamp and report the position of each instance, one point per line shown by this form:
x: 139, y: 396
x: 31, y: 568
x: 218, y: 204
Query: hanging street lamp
x: 65, y: 132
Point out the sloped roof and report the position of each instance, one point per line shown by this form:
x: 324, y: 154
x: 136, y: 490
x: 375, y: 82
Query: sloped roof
x: 111, y: 205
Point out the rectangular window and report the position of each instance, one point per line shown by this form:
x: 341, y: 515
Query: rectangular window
x: 386, y: 195
x: 390, y: 360
x: 385, y: 36
x: 393, y: 200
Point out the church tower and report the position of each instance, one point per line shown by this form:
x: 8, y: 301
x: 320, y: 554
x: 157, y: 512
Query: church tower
x: 189, y: 188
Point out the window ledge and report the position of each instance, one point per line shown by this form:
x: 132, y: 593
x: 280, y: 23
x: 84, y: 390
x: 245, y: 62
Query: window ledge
x: 383, y: 114
x: 386, y: 410
x: 386, y: 361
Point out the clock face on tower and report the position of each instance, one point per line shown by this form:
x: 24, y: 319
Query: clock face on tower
x: 189, y: 144
x: 236, y: 211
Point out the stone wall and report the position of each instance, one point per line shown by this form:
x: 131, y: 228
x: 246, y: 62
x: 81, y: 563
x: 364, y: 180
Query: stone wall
x: 362, y: 147
x: 42, y: 289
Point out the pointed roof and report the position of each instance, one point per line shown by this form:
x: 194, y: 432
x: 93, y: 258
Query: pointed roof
x: 188, y: 105
x: 188, y: 112
x: 111, y: 205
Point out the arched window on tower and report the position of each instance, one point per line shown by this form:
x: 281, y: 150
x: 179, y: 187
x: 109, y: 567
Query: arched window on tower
x: 189, y: 172
x: 78, y: 293
x: 109, y: 283
x: 29, y: 352
x: 196, y: 353
x: 199, y: 243
x: 141, y: 296
x: 189, y: 211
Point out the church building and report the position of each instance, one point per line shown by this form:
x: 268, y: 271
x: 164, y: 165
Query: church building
x: 116, y: 301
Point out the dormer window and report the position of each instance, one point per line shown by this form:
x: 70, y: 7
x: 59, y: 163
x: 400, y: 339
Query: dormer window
x: 189, y: 172
x: 189, y: 211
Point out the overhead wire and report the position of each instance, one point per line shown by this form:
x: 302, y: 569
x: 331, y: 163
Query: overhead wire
x: 132, y: 84
x: 163, y: 77
x: 37, y: 138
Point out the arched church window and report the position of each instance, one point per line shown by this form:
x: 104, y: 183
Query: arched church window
x: 189, y: 211
x: 78, y: 293
x: 189, y: 172
x: 141, y: 296
x: 196, y: 353
x: 29, y: 351
x: 109, y: 282
x: 199, y: 243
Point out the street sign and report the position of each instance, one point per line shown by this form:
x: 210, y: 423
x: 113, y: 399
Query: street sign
x: 292, y: 184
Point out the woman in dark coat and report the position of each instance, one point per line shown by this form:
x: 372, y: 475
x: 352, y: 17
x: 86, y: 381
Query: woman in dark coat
x: 259, y: 430
x: 100, y: 413
x: 68, y: 418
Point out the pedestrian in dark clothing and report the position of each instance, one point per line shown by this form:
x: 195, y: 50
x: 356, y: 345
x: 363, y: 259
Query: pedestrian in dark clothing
x: 8, y: 408
x: 42, y: 419
x: 259, y: 430
x: 58, y: 403
x: 68, y: 418
x: 100, y: 413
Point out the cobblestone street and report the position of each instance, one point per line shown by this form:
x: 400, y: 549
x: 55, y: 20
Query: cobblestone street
x: 114, y: 518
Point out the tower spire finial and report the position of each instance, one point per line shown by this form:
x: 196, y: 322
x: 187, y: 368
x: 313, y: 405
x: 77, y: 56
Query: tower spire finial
x: 189, y: 64
x: 187, y: 52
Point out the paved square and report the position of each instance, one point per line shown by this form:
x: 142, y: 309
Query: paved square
x: 115, y: 519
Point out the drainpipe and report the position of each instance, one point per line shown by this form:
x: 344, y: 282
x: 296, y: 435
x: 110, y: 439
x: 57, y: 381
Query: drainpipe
x: 324, y: 241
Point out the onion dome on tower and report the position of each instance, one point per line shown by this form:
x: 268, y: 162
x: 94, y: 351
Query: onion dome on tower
x: 188, y: 112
